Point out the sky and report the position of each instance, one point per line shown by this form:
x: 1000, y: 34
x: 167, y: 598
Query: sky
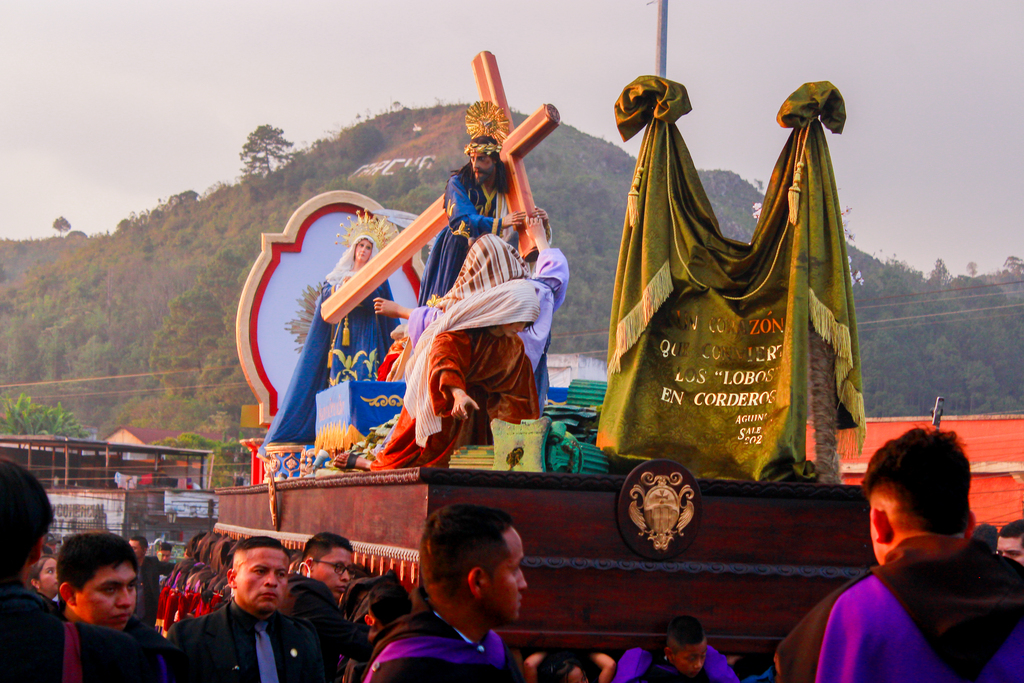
x: 108, y: 107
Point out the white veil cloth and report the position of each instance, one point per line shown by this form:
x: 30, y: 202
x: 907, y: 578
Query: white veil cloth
x: 346, y: 264
x: 511, y: 302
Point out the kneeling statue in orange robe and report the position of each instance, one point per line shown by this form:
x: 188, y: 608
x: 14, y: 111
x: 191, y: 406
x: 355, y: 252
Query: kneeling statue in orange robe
x: 469, y: 367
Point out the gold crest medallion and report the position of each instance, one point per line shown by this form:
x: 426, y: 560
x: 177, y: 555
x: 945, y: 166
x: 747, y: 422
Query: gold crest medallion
x: 662, y: 507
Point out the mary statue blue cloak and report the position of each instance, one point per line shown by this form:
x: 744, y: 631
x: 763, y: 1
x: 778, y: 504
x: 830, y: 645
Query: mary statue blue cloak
x: 326, y: 359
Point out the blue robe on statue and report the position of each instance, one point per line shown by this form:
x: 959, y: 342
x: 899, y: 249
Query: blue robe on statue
x: 471, y: 213
x: 325, y: 361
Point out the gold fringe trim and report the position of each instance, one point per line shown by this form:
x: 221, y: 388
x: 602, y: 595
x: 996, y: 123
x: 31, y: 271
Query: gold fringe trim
x: 837, y: 335
x: 632, y: 326
x: 335, y: 438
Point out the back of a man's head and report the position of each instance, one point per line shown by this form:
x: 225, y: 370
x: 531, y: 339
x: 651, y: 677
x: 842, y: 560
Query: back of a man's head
x: 82, y: 555
x: 25, y: 516
x: 387, y: 601
x: 323, y: 543
x: 926, y: 472
x: 987, y: 534
x: 458, y: 538
x: 192, y: 547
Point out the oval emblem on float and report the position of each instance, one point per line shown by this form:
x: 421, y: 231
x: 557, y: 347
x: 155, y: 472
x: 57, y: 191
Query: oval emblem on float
x: 659, y: 509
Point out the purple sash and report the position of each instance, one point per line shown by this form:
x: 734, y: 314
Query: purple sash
x: 446, y: 649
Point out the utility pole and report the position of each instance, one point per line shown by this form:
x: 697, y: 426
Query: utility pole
x: 662, y: 43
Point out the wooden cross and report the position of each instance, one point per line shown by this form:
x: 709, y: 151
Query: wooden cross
x: 520, y: 142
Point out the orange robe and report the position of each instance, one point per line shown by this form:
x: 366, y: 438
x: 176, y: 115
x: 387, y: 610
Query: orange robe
x: 494, y: 371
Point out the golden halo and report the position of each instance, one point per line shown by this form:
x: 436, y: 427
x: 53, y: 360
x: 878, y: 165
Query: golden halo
x: 377, y: 228
x: 487, y: 118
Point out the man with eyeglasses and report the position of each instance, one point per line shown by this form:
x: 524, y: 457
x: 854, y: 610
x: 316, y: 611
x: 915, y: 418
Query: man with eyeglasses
x: 316, y: 593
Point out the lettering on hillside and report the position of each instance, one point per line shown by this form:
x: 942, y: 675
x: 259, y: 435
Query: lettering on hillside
x: 727, y: 364
x: 388, y: 166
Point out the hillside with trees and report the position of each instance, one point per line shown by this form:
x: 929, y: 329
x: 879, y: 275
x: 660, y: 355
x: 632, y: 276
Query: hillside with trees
x: 153, y: 302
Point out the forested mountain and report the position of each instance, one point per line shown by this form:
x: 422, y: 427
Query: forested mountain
x: 157, y: 296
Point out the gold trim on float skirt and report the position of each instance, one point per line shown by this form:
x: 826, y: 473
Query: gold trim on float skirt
x: 837, y: 335
x: 629, y: 329
x: 335, y: 438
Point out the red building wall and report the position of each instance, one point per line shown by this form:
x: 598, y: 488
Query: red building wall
x: 994, y: 444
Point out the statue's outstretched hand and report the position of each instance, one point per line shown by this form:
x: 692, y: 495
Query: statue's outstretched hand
x: 389, y: 308
x: 462, y: 404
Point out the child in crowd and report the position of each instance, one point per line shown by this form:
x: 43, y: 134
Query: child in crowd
x: 386, y: 601
x: 565, y: 667
x: 687, y: 657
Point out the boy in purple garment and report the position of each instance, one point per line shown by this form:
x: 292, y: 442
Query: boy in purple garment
x: 470, y: 560
x: 687, y: 657
x: 939, y: 607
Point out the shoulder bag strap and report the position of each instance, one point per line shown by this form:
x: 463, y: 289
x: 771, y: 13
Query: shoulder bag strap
x: 72, y: 654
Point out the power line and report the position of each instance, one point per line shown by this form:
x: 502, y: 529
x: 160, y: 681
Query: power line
x: 934, y: 322
x: 936, y: 315
x: 93, y: 379
x: 941, y: 291
x: 952, y: 298
x: 141, y: 391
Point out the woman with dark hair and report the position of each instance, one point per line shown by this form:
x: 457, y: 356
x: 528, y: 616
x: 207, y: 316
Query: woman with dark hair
x: 43, y: 577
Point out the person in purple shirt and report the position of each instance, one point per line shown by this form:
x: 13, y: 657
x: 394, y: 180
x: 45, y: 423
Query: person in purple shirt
x: 471, y: 583
x: 687, y: 657
x: 550, y: 280
x: 940, y: 607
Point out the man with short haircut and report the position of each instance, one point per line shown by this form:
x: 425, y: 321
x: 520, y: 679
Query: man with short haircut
x: 250, y: 640
x: 938, y: 607
x: 97, y: 573
x: 471, y: 583
x: 687, y: 656
x: 148, y: 587
x: 164, y: 553
x: 1011, y: 541
x: 315, y: 594
x: 34, y: 643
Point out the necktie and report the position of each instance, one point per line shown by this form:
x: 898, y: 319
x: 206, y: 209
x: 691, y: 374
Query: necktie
x: 265, y: 654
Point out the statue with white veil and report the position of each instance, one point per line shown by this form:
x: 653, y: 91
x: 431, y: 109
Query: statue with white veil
x: 351, y: 350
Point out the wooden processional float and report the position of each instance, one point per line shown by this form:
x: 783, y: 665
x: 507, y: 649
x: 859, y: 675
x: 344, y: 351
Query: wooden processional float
x: 610, y: 559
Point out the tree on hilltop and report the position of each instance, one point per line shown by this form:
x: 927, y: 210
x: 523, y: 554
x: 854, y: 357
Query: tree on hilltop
x: 62, y: 225
x: 264, y: 150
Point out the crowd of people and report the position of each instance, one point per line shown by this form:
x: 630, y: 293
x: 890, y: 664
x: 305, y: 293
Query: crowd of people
x: 939, y: 606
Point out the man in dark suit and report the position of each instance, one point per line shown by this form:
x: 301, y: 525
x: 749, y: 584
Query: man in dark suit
x: 249, y: 641
x: 32, y: 643
x: 315, y: 594
x: 97, y: 572
x: 150, y: 571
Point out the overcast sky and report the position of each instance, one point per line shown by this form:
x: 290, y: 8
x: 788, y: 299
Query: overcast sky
x: 107, y: 107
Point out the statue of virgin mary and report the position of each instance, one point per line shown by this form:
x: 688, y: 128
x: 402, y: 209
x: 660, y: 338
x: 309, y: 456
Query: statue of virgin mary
x: 351, y: 350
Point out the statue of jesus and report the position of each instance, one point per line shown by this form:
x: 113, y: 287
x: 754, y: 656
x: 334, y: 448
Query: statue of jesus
x: 474, y: 199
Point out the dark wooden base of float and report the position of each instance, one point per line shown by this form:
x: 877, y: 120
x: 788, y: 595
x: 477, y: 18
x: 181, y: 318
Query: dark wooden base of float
x: 763, y: 556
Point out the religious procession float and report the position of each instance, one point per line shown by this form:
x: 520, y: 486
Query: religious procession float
x: 680, y: 487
